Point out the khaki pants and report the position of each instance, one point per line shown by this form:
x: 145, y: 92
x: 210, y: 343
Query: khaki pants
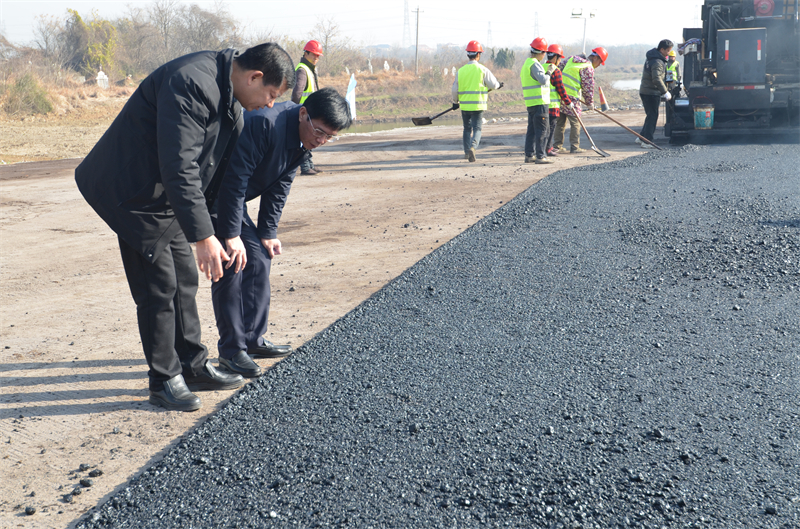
x: 574, y: 132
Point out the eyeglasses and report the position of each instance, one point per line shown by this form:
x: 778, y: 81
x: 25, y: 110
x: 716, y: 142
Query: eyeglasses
x: 319, y: 133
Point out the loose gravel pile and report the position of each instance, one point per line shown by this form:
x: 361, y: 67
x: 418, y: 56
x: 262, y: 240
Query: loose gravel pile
x: 617, y: 347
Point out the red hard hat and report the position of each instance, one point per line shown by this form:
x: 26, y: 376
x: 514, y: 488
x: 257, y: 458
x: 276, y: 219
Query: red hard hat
x: 313, y: 46
x: 539, y: 43
x: 555, y: 48
x: 474, y: 47
x: 602, y: 53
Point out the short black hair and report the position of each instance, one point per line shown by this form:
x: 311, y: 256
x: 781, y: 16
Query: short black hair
x: 666, y: 44
x: 329, y: 106
x: 271, y: 60
x: 472, y: 54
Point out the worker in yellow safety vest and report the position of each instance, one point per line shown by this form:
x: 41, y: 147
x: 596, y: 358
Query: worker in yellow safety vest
x: 535, y: 79
x: 471, y: 92
x: 578, y: 77
x: 305, y: 84
x: 673, y: 73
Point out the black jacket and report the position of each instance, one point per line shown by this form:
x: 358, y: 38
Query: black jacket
x: 655, y: 66
x: 264, y: 163
x: 147, y: 175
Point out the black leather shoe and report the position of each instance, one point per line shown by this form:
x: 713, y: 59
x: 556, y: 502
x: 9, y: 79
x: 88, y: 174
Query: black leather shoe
x: 175, y: 395
x: 269, y: 350
x: 212, y: 380
x: 241, y: 364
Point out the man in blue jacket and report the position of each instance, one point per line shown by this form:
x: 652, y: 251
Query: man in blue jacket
x: 273, y: 143
x: 151, y: 177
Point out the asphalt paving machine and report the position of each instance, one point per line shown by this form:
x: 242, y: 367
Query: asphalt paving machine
x: 741, y: 74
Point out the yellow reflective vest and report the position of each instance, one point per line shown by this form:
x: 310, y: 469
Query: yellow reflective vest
x: 571, y: 76
x: 310, y: 87
x: 472, y: 93
x: 534, y: 93
x: 672, y: 72
x: 555, y: 99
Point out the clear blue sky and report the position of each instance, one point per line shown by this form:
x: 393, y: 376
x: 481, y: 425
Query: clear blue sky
x: 381, y: 22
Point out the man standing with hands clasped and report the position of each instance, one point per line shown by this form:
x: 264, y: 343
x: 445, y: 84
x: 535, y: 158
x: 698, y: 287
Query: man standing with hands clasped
x: 151, y: 178
x: 653, y: 87
x: 264, y: 164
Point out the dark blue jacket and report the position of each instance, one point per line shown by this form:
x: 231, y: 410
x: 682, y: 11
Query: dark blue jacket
x: 263, y: 164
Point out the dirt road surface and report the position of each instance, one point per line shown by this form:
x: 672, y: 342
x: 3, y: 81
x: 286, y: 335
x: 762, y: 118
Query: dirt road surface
x: 73, y: 382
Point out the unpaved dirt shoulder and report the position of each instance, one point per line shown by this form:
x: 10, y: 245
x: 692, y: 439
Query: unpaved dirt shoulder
x: 73, y: 383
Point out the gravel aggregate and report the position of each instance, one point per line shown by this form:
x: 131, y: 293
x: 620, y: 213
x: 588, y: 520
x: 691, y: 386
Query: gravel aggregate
x: 616, y: 347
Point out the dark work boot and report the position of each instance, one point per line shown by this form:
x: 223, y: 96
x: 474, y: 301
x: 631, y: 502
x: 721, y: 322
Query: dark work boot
x: 212, y: 380
x: 175, y: 395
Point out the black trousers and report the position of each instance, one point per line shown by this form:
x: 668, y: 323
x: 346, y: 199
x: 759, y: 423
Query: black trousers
x: 169, y: 326
x: 241, y: 301
x: 538, y: 131
x: 551, y: 137
x: 651, y: 104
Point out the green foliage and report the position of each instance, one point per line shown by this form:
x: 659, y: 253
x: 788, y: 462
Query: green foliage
x: 91, y: 44
x: 504, y: 58
x: 26, y: 97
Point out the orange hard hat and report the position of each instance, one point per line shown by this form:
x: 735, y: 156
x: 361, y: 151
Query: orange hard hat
x: 539, y: 44
x: 555, y: 48
x: 313, y: 46
x: 474, y: 47
x: 602, y: 53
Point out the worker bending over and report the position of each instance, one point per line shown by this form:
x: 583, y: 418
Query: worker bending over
x: 305, y: 84
x: 471, y: 92
x: 264, y: 163
x: 578, y: 76
x: 558, y: 95
x: 536, y: 94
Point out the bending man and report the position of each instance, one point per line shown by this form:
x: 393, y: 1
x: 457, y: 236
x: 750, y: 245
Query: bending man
x: 264, y: 164
x: 150, y: 177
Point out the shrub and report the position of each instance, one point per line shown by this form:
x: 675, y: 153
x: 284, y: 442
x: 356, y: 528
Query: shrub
x: 26, y: 96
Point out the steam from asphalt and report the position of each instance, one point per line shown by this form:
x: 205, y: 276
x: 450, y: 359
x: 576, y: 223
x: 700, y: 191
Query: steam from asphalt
x: 616, y: 347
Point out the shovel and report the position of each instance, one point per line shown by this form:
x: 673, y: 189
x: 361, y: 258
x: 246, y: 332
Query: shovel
x: 428, y: 121
x: 626, y: 128
x: 601, y: 152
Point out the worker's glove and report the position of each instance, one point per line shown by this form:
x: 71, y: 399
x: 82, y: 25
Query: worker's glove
x: 455, y: 106
x: 550, y: 68
x: 501, y: 85
x: 572, y: 106
x: 667, y: 96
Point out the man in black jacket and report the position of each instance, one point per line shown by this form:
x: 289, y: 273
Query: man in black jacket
x: 150, y: 177
x: 264, y: 163
x: 653, y: 87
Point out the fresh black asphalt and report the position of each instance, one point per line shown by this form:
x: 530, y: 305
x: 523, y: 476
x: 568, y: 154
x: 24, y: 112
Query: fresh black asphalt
x: 619, y: 346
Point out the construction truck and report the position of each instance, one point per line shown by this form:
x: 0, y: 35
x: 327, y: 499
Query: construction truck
x: 741, y: 74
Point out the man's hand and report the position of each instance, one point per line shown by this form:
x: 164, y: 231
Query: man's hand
x: 237, y: 253
x: 501, y: 85
x: 273, y: 246
x: 455, y: 106
x: 667, y: 96
x: 210, y: 256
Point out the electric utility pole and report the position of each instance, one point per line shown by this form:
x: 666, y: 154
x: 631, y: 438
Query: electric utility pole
x: 416, y: 48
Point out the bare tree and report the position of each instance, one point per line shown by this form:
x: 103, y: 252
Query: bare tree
x: 164, y: 16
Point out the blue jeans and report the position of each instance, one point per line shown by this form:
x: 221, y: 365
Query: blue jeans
x: 473, y: 121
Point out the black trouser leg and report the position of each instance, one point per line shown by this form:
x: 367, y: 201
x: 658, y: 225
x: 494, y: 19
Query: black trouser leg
x: 241, y: 301
x: 164, y: 293
x: 650, y: 104
x: 541, y: 129
x: 550, y: 137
